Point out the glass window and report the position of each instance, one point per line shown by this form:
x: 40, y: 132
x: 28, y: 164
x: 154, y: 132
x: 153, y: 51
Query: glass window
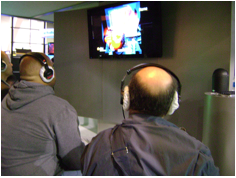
x: 21, y: 35
x: 36, y: 24
x: 49, y: 39
x: 36, y: 37
x: 21, y: 46
x: 37, y: 47
x: 27, y: 34
x: 21, y: 22
x: 6, y: 33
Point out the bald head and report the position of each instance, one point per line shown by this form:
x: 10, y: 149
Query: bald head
x: 154, y: 80
x: 151, y: 91
x: 30, y: 69
x: 4, y: 57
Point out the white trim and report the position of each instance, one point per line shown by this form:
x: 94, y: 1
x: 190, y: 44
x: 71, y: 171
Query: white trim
x: 232, y: 50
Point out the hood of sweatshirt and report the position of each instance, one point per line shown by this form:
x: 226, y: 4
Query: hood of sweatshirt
x: 23, y: 93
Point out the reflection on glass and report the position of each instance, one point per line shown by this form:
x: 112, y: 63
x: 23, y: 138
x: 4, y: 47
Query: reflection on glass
x: 36, y: 37
x: 37, y: 47
x: 26, y: 34
x: 36, y: 24
x: 6, y: 33
x: 21, y: 46
x: 21, y: 22
x: 33, y: 47
x: 21, y: 35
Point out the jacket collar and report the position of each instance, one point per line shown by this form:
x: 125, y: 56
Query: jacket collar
x: 147, y: 119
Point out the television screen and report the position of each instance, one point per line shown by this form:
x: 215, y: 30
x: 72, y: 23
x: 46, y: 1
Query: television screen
x: 51, y: 57
x: 127, y: 29
x: 50, y: 48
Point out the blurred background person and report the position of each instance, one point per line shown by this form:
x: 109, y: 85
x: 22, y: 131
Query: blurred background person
x: 6, y: 71
x: 11, y: 80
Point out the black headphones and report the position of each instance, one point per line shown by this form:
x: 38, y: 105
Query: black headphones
x: 143, y: 65
x: 46, y: 72
x: 3, y: 66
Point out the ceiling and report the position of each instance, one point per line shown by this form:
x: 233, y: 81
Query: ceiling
x: 42, y: 10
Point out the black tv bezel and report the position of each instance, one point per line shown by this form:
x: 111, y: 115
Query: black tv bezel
x: 157, y: 26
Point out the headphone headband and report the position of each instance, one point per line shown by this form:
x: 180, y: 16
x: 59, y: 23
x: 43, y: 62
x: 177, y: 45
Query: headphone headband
x: 37, y: 56
x: 143, y: 65
x: 46, y: 72
x: 125, y: 96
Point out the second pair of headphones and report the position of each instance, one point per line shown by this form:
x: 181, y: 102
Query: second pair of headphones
x: 46, y: 72
x: 3, y: 66
x: 125, y: 100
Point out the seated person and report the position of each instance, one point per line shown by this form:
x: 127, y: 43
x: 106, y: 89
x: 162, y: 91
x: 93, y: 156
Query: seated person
x: 11, y: 80
x: 6, y: 71
x: 40, y: 134
x: 146, y: 143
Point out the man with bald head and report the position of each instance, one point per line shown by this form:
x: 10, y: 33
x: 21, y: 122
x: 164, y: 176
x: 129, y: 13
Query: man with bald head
x: 6, y: 71
x: 40, y: 134
x: 146, y: 143
x: 30, y: 69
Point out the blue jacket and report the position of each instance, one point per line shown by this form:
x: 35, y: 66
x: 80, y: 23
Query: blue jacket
x: 146, y: 145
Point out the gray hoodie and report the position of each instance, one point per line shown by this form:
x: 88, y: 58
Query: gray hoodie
x: 39, y: 132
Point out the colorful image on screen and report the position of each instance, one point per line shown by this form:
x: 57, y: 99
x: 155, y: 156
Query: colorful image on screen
x: 121, y: 30
x: 50, y: 48
x: 125, y: 30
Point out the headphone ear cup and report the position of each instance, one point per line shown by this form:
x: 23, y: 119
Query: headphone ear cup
x: 3, y: 66
x: 174, y: 105
x: 47, y: 75
x: 126, y: 99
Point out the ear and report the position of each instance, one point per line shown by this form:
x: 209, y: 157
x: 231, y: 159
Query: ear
x: 174, y: 105
x: 126, y: 100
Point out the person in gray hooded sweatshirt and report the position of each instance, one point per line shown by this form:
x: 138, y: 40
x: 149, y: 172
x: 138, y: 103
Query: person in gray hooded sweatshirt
x: 6, y: 71
x: 40, y: 134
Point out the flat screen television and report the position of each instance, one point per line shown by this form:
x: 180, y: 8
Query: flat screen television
x: 51, y: 48
x: 125, y: 30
